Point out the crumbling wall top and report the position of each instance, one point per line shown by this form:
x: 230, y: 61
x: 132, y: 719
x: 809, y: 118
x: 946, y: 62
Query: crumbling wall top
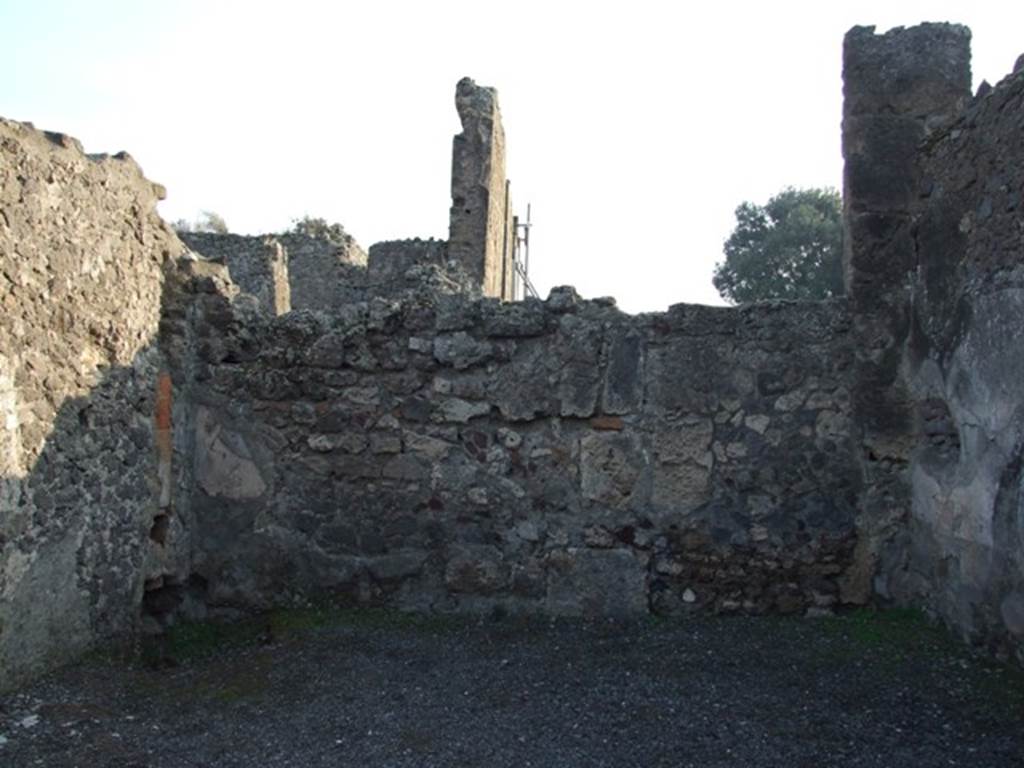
x: 907, y: 70
x: 475, y: 102
x: 480, y: 233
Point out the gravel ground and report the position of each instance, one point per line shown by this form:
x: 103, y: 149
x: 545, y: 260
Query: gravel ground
x: 366, y: 689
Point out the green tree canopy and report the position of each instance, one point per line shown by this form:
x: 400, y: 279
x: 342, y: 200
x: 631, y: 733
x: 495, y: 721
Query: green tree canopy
x: 208, y: 221
x: 319, y: 228
x: 789, y: 248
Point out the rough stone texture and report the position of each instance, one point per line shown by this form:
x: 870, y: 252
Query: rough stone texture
x: 398, y: 266
x: 81, y: 258
x: 288, y: 271
x: 173, y: 443
x: 934, y: 183
x: 391, y: 260
x: 480, y: 226
x: 966, y: 365
x: 898, y: 89
x: 317, y: 268
x: 435, y: 452
x: 258, y: 265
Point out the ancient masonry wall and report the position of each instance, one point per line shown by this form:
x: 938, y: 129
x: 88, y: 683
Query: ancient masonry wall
x: 171, y: 444
x: 934, y: 184
x: 316, y: 267
x: 446, y: 453
x: 81, y: 258
x: 288, y: 271
x: 898, y: 87
x: 390, y: 261
x: 966, y: 365
x: 480, y: 225
x: 259, y: 266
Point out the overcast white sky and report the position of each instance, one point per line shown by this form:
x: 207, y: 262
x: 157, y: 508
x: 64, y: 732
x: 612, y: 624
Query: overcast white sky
x: 634, y: 128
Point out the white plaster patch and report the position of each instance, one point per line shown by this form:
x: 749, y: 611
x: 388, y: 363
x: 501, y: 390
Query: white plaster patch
x: 1012, y: 609
x: 10, y: 438
x: 220, y: 469
x: 16, y: 566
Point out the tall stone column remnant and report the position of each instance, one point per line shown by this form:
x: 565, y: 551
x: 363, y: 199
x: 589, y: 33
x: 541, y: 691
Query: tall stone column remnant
x: 480, y: 226
x: 898, y: 88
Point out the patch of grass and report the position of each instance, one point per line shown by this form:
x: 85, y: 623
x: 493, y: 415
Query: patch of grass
x: 231, y: 680
x: 284, y: 622
x: 881, y: 640
x: 1001, y: 687
x: 370, y: 618
x: 187, y: 641
x: 191, y: 640
x: 888, y: 640
x: 899, y: 630
x: 389, y: 618
x: 197, y: 639
x: 116, y: 653
x: 871, y: 625
x: 239, y: 684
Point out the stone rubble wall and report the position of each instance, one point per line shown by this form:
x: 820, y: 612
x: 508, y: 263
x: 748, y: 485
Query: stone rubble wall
x: 965, y: 360
x: 898, y: 88
x: 174, y: 442
x: 82, y: 252
x: 389, y: 261
x: 935, y: 276
x: 397, y: 267
x: 440, y: 452
x: 320, y: 272
x: 288, y: 271
x: 480, y: 224
x: 279, y: 271
x: 259, y: 266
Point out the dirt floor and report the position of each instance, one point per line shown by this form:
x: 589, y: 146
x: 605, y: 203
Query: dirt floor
x: 326, y: 688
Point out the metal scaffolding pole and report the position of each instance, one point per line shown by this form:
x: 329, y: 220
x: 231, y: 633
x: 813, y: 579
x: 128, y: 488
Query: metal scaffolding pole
x: 521, y: 255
